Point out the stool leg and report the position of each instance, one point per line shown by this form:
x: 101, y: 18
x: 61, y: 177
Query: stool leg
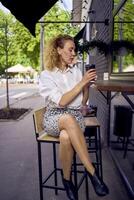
x: 75, y: 174
x: 97, y: 152
x: 126, y: 147
x: 86, y: 186
x: 55, y: 167
x: 40, y: 170
x: 100, y: 152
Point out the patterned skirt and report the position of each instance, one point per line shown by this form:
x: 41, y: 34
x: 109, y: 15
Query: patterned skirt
x: 52, y: 116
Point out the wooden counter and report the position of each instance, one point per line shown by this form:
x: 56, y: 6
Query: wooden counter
x: 126, y: 88
x: 115, y: 86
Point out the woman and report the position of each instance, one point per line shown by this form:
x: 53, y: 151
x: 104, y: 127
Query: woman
x: 65, y: 91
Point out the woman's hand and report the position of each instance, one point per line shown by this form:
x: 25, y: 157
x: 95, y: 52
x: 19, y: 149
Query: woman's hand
x: 69, y: 96
x: 89, y: 76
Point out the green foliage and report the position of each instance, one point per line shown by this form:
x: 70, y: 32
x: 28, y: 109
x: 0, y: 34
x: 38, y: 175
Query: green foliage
x: 52, y: 29
x: 22, y: 47
x: 5, y: 41
x: 125, y: 31
x: 17, y: 44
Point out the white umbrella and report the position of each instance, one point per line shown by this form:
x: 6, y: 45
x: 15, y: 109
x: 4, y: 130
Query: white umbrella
x: 129, y: 68
x: 17, y: 69
x: 30, y: 69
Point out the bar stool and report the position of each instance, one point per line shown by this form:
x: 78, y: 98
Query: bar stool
x: 93, y: 139
x: 42, y: 137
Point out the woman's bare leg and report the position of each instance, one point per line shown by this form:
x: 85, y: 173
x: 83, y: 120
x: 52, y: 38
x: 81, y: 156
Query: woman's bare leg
x: 66, y: 153
x: 69, y: 124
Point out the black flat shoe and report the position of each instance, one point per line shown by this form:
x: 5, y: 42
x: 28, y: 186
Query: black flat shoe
x: 99, y: 186
x: 70, y: 189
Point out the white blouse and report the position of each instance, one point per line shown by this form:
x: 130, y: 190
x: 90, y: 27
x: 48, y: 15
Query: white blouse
x: 53, y: 84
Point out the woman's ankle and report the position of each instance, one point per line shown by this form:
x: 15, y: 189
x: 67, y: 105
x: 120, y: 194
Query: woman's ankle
x: 65, y: 176
x: 91, y: 171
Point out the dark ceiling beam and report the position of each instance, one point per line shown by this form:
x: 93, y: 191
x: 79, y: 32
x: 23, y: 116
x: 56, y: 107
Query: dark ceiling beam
x: 106, y: 22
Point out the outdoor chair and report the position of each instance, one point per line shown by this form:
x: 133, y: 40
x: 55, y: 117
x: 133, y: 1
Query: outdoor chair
x: 93, y: 139
x: 42, y: 137
x: 123, y: 117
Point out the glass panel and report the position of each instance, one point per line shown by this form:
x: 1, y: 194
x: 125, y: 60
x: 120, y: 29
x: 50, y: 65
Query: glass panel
x: 116, y: 2
x: 123, y: 60
x: 122, y: 136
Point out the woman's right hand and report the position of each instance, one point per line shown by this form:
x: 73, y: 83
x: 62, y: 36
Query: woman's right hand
x: 69, y: 96
x: 89, y: 76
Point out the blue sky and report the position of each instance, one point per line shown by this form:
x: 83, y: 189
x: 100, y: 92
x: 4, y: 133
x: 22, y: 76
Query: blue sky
x: 3, y: 8
x: 68, y: 4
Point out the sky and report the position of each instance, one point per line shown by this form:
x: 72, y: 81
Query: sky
x: 68, y: 4
x: 3, y: 8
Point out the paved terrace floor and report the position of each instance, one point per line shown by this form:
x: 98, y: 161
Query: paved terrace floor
x: 18, y: 162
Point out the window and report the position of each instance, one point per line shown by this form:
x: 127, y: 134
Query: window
x: 123, y: 30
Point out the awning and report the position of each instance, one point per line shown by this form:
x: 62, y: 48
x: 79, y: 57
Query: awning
x: 81, y: 34
x: 28, y: 13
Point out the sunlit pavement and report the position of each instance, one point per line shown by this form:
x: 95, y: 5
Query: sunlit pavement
x: 16, y: 92
x: 19, y: 85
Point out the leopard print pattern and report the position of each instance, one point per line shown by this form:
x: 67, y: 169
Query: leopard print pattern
x: 52, y: 116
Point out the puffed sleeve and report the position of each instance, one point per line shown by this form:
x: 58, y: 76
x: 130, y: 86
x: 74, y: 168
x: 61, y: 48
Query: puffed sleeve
x: 48, y: 88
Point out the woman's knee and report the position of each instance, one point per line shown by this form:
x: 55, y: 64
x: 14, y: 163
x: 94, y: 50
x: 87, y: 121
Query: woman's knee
x: 66, y: 120
x: 64, y: 138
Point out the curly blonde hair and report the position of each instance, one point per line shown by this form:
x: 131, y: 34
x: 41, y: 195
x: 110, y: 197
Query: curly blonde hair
x: 51, y: 56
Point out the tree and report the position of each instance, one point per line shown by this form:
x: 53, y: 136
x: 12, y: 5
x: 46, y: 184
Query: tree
x: 124, y: 31
x: 17, y: 45
x: 25, y: 48
x: 5, y: 43
x: 52, y: 29
x: 27, y: 45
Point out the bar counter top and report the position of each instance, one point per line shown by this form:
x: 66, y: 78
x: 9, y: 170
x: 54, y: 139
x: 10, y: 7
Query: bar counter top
x: 115, y: 86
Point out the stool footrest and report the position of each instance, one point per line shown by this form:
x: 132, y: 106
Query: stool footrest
x: 81, y: 180
x: 53, y: 187
x: 52, y: 173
